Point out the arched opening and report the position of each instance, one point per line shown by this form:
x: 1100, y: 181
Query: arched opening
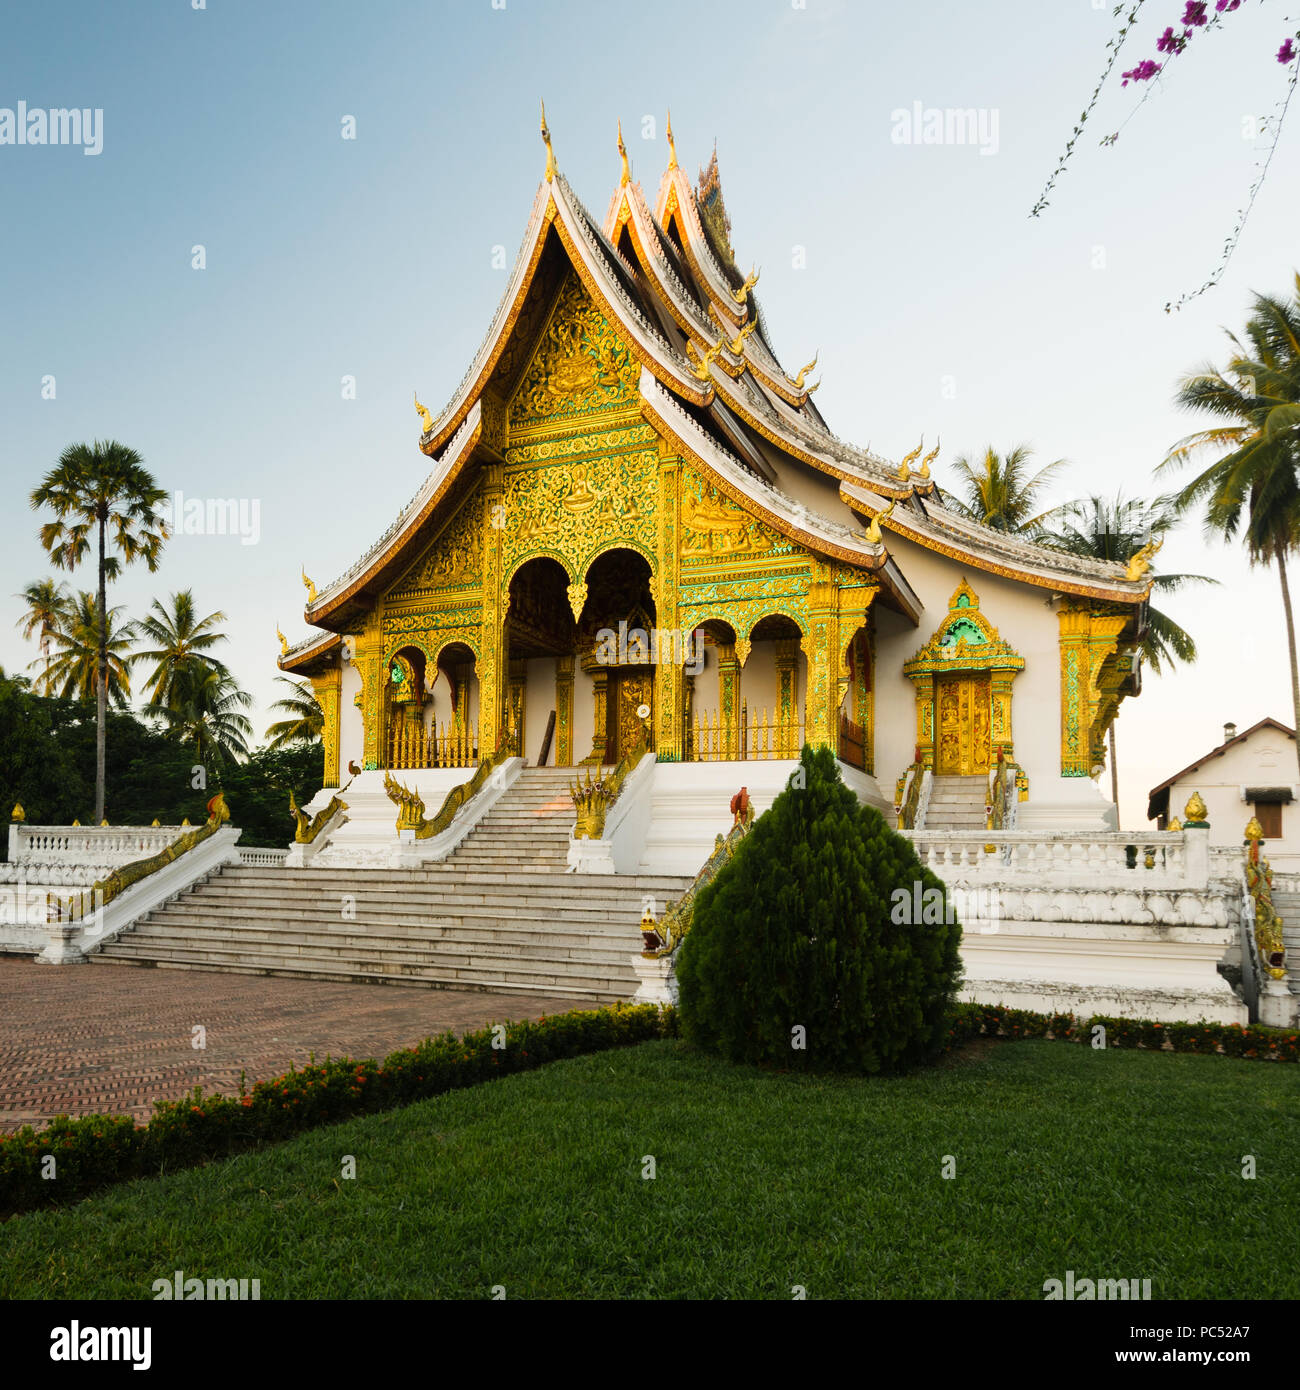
x: 774, y: 686
x: 405, y: 699
x: 712, y: 696
x: 620, y: 647
x: 540, y: 639
x: 430, y: 709
x: 453, y: 712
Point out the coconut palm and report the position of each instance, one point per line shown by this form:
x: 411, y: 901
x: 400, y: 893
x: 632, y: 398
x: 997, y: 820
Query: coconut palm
x: 306, y: 718
x: 998, y: 490
x: 80, y: 642
x: 101, y: 491
x: 204, y: 715
x: 1100, y: 528
x: 1252, y: 488
x: 182, y: 640
x: 47, y: 603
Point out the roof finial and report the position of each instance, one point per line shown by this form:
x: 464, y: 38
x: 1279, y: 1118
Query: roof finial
x: 426, y: 420
x: 284, y: 641
x: 905, y: 467
x: 873, y: 526
x: 672, y: 149
x: 550, y: 153
x: 622, y: 151
x: 309, y: 586
x: 803, y: 371
x: 930, y: 458
x: 751, y: 280
x: 702, y: 371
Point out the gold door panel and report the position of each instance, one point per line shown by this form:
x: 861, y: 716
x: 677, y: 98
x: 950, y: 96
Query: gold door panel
x: 628, y: 691
x: 962, y: 719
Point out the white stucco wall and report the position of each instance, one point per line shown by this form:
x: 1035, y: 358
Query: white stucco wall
x: 352, y: 733
x: 1265, y: 759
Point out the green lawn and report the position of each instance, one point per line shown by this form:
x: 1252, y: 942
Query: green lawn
x: 1113, y: 1164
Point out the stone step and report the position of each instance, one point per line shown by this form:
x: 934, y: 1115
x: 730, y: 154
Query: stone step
x: 485, y: 914
x: 607, y: 992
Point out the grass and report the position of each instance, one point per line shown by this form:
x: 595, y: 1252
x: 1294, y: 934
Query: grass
x: 1116, y: 1164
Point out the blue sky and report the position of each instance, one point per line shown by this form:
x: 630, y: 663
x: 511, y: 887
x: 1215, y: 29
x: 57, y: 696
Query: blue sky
x: 937, y: 303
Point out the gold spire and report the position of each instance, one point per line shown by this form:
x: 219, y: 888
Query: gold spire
x: 626, y: 177
x: 804, y: 370
x: 1140, y: 562
x: 309, y: 586
x: 1196, y: 810
x: 742, y: 293
x: 18, y: 814
x: 550, y: 153
x: 284, y: 641
x: 702, y: 371
x: 737, y: 345
x: 156, y: 824
x: 672, y: 149
x: 426, y: 420
x: 874, y: 536
x: 929, y: 459
x: 905, y: 467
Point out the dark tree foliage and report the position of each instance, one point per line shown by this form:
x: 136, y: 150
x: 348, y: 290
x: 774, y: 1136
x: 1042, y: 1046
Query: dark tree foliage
x: 798, y: 931
x: 47, y: 764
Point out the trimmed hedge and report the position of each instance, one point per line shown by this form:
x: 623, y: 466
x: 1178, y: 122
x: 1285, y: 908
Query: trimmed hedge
x: 969, y: 1021
x: 96, y: 1150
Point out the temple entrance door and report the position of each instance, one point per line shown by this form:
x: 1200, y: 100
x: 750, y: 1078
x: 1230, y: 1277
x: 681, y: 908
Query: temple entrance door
x: 962, y: 718
x: 628, y: 690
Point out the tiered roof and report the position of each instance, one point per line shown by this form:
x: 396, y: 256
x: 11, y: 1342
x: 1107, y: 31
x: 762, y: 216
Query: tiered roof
x: 711, y: 379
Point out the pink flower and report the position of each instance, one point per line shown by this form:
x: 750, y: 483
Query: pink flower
x: 1287, y: 52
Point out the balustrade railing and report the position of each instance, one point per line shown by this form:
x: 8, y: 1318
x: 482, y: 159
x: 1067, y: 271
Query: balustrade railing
x: 1108, y: 857
x: 91, y: 844
x: 413, y: 746
x: 759, y: 733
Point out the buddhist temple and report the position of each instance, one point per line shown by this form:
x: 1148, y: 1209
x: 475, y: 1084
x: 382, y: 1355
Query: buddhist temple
x: 636, y: 525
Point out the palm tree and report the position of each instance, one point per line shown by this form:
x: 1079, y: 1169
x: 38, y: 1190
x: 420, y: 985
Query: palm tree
x: 1253, y: 487
x: 205, y: 714
x: 105, y: 489
x: 47, y: 603
x: 998, y: 490
x: 306, y: 718
x: 1101, y: 529
x: 80, y: 640
x: 183, y: 640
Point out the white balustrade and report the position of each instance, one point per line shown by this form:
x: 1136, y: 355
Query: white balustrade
x: 1107, y: 859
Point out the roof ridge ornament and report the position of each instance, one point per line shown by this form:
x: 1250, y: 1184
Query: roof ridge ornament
x: 625, y: 178
x: 1140, y: 561
x: 425, y: 418
x: 742, y: 294
x: 309, y: 586
x: 874, y: 536
x: 797, y: 381
x: 930, y: 458
x: 284, y: 641
x: 736, y: 346
x: 702, y: 371
x: 672, y: 148
x: 550, y: 153
x: 905, y: 468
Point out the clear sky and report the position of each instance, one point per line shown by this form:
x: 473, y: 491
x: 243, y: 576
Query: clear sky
x: 937, y: 304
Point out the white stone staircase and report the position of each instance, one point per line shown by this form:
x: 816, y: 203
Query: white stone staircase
x: 499, y: 914
x: 957, y: 803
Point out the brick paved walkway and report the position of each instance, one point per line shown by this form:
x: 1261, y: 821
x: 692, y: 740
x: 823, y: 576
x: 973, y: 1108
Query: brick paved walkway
x: 86, y: 1038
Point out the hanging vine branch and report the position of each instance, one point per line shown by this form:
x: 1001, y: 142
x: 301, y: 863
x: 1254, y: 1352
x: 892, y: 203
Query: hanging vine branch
x: 1171, y: 44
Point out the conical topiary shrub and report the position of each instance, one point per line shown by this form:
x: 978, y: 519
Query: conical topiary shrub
x: 803, y: 952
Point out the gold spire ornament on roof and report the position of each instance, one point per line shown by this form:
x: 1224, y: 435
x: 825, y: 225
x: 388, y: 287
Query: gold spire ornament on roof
x: 426, y: 420
x: 702, y: 371
x: 550, y: 153
x: 626, y: 177
x: 874, y: 536
x: 737, y: 345
x: 309, y: 586
x: 905, y: 467
x: 742, y: 294
x: 929, y: 459
x: 284, y: 641
x: 672, y: 149
x: 1141, y: 562
x: 804, y: 370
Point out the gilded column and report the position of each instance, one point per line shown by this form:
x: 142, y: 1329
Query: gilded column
x: 369, y: 661
x: 491, y: 634
x: 670, y: 677
x: 563, y: 711
x: 461, y: 732
x: 329, y: 688
x: 822, y: 648
x: 787, y: 716
x: 729, y: 699
x: 518, y: 691
x: 600, y: 694
x: 864, y: 694
x: 924, y: 685
x: 1087, y: 639
x: 1000, y: 692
